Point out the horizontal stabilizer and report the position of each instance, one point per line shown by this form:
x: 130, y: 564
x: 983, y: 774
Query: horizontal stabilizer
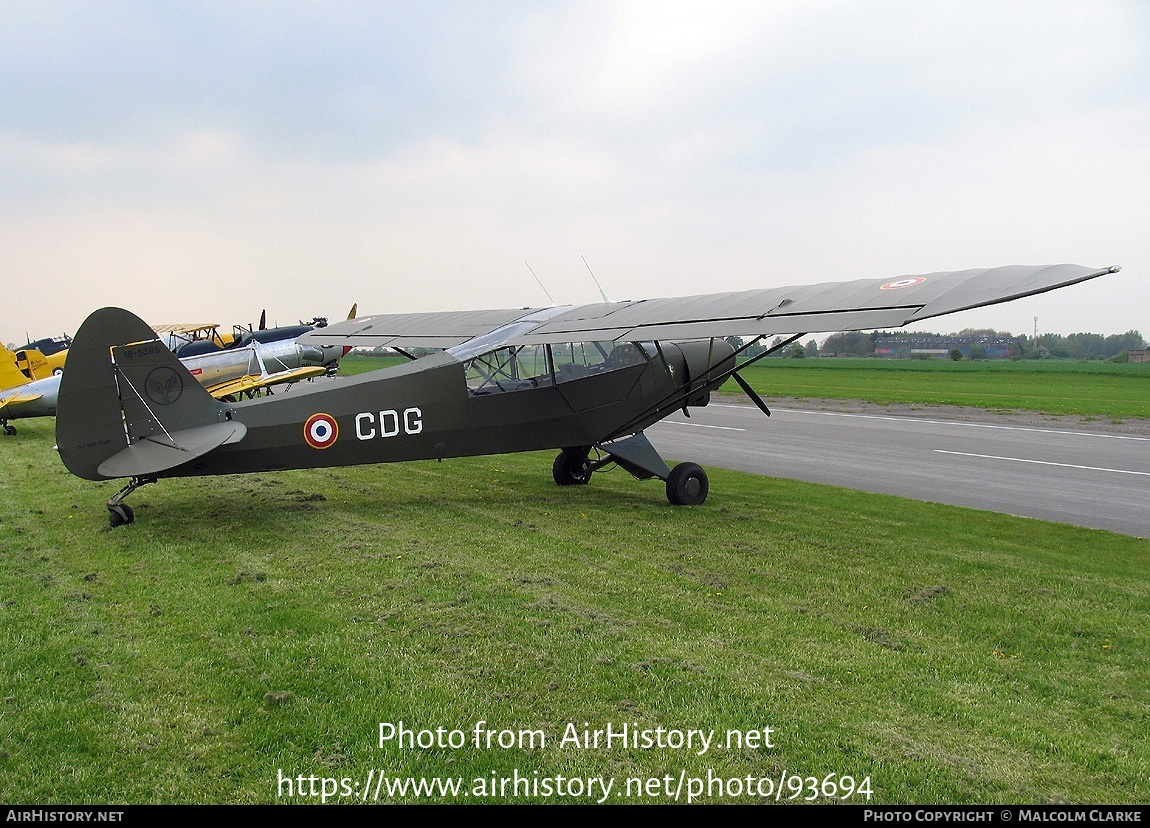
x: 156, y: 453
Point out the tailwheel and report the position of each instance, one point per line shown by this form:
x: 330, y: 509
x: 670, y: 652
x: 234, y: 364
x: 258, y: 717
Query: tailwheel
x: 572, y: 467
x: 119, y: 512
x: 120, y: 515
x: 687, y: 485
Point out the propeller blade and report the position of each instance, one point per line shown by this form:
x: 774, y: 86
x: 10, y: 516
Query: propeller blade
x: 750, y: 392
x: 264, y: 319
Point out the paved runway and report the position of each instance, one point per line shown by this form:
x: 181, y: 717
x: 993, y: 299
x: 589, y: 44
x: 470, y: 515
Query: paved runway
x: 1099, y: 480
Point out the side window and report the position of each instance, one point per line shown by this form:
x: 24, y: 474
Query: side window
x: 508, y: 369
x: 520, y: 368
x: 580, y: 359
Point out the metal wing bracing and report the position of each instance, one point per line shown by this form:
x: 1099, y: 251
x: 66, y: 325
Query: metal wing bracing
x: 864, y: 304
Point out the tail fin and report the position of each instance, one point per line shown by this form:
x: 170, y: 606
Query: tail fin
x: 128, y: 407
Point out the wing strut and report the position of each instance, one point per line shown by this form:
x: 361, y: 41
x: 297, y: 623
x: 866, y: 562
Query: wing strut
x: 746, y: 386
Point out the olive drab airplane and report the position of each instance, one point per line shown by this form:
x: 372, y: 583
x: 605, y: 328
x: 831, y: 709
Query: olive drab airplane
x: 586, y: 380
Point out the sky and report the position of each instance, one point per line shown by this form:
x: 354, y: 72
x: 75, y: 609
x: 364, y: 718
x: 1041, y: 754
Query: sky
x: 204, y: 161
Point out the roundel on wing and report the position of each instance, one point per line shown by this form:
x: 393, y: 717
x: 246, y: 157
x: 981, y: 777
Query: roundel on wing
x: 320, y: 431
x: 903, y: 283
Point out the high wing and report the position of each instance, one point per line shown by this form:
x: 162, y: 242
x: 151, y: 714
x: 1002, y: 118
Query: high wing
x: 864, y: 304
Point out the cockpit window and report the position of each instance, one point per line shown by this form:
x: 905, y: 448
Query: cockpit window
x: 581, y: 359
x: 519, y: 368
x: 508, y: 369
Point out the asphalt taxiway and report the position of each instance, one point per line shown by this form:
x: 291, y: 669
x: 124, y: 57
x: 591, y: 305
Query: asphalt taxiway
x: 1090, y: 478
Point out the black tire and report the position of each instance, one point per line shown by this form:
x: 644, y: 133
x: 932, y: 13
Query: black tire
x: 120, y: 515
x: 10, y: 430
x: 571, y: 470
x: 687, y: 485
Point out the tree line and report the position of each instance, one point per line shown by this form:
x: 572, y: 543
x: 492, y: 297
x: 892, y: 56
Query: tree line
x: 973, y: 343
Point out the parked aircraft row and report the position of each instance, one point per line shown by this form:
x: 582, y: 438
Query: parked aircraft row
x: 229, y: 367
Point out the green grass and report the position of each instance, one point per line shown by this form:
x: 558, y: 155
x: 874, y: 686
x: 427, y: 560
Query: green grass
x: 252, y: 624
x: 1097, y: 389
x: 356, y: 364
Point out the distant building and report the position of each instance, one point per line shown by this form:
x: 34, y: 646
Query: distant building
x: 1139, y: 355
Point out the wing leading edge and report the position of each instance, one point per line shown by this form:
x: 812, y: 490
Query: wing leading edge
x: 864, y: 304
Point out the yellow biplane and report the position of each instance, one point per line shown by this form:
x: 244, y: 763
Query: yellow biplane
x: 28, y: 386
x: 53, y: 350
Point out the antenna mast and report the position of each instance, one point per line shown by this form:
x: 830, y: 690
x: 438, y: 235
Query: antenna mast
x: 602, y: 292
x: 537, y: 279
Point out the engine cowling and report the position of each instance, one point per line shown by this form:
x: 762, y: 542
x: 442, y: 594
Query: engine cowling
x: 699, y: 366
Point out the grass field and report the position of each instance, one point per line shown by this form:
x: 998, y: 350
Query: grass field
x: 252, y: 629
x: 1096, y: 389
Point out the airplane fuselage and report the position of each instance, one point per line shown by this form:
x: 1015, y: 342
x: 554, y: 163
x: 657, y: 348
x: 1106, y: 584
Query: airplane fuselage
x: 427, y: 410
x: 33, y: 399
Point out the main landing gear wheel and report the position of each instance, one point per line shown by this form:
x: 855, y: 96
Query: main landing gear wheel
x: 10, y: 430
x: 571, y: 469
x: 120, y: 515
x: 687, y: 485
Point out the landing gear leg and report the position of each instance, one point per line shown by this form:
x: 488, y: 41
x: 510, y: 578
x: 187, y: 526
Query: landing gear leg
x: 119, y: 512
